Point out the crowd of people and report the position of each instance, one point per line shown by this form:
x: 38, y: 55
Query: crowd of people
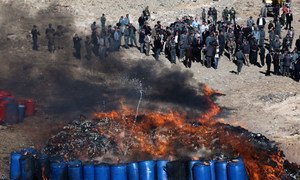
x: 201, y: 39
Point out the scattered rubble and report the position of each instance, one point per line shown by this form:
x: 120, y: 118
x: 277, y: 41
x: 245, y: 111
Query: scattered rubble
x: 277, y: 98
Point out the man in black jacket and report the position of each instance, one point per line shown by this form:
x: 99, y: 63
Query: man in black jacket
x: 240, y: 60
x: 289, y: 19
x: 269, y: 62
x: 35, y: 33
x: 77, y: 46
x: 298, y: 44
x: 210, y: 51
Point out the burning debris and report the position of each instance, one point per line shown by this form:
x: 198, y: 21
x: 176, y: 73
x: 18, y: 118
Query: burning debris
x: 121, y: 136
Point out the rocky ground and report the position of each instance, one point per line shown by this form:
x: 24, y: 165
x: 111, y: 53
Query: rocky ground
x: 59, y: 83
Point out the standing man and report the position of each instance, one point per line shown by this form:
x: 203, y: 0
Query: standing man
x: 59, y: 36
x: 77, y: 46
x: 103, y: 20
x: 289, y: 20
x: 147, y: 43
x: 34, y: 33
x: 246, y: 51
x: 88, y: 48
x: 172, y: 46
x: 269, y: 62
x: 250, y: 22
x: 50, y: 36
x: 142, y: 36
x: 232, y: 15
x: 132, y: 35
x: 157, y: 47
x: 214, y: 15
x: 203, y: 15
x: 225, y: 14
x: 126, y: 36
x: 210, y: 51
x: 240, y: 59
x: 298, y: 44
x: 262, y: 52
x: 261, y: 22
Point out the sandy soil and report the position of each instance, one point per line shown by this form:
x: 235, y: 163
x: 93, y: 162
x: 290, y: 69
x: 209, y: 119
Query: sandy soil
x: 266, y: 105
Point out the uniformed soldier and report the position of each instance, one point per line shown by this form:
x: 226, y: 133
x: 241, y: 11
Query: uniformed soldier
x: 240, y: 59
x: 103, y: 20
x: 77, y: 46
x: 172, y: 47
x: 35, y: 33
x: 203, y: 15
x: 50, y: 36
x: 88, y: 47
x: 232, y: 15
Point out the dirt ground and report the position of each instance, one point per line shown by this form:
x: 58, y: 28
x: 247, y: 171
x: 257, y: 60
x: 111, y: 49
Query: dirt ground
x: 64, y: 88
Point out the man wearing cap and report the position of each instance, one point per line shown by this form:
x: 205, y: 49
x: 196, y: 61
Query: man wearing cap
x: 35, y: 33
x: 289, y: 19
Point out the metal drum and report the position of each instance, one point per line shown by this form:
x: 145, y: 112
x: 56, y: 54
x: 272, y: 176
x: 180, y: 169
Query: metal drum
x: 147, y: 170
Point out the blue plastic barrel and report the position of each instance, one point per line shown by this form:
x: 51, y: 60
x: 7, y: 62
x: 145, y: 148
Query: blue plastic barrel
x: 27, y: 167
x: 88, y: 171
x: 147, y: 170
x: 236, y: 170
x: 15, y: 167
x: 118, y: 172
x: 30, y: 150
x: 179, y: 168
x: 212, y: 169
x: 21, y: 112
x: 102, y: 171
x: 56, y: 159
x: 201, y: 171
x: 11, y: 111
x: 43, y: 167
x: 75, y: 170
x: 221, y: 170
x: 133, y: 171
x: 58, y: 171
x: 161, y: 169
x: 191, y: 164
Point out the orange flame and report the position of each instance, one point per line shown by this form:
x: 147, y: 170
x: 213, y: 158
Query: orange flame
x: 168, y: 135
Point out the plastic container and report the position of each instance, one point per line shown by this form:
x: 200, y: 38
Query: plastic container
x: 2, y: 112
x: 133, y: 171
x: 27, y: 167
x: 11, y: 111
x: 88, y: 171
x: 102, y: 171
x: 212, y: 169
x: 221, y: 170
x: 21, y: 112
x: 75, y: 170
x: 236, y: 170
x: 56, y: 159
x: 178, y: 169
x: 15, y: 167
x: 147, y: 170
x: 29, y: 150
x: 118, y: 172
x: 161, y: 169
x: 43, y: 167
x: 30, y: 107
x: 191, y: 164
x: 58, y: 171
x: 201, y: 171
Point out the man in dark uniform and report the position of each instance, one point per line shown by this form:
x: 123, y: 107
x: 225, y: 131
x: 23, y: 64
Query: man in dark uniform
x: 35, y: 33
x: 88, y: 47
x: 276, y: 62
x: 103, y: 20
x: 262, y: 52
x: 172, y: 47
x: 269, y: 62
x: 77, y: 46
x: 210, y: 52
x: 298, y: 44
x: 225, y: 14
x: 289, y: 19
x: 240, y: 59
x: 232, y: 15
x: 203, y: 15
x: 287, y: 63
x: 50, y: 36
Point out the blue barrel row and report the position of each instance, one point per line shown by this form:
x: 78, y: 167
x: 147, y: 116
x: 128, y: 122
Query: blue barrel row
x: 28, y: 164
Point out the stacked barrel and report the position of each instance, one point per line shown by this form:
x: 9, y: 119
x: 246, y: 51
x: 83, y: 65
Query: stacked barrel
x: 13, y: 111
x: 29, y: 164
